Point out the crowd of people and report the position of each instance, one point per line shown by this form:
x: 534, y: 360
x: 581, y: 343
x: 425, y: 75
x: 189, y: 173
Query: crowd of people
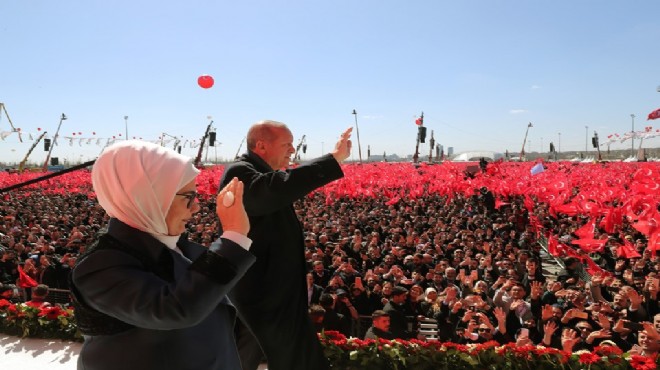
x: 377, y: 268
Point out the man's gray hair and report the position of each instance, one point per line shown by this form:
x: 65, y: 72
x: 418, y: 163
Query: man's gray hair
x: 265, y: 130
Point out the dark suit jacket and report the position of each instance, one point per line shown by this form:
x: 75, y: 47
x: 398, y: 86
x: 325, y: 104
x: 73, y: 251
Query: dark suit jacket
x: 272, y: 296
x: 187, y: 324
x: 316, y: 294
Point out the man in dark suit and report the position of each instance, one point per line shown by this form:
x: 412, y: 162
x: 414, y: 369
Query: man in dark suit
x: 272, y: 297
x: 313, y: 291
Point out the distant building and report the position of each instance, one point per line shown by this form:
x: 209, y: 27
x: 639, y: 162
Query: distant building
x: 474, y: 156
x: 450, y: 151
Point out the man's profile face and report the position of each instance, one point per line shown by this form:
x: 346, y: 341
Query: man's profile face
x: 277, y: 153
x: 382, y: 323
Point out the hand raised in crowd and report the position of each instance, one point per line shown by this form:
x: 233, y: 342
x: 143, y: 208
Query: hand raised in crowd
x: 597, y: 280
x: 569, y: 339
x: 230, y: 209
x: 602, y: 320
x: 516, y: 303
x: 343, y: 147
x: 598, y: 334
x: 546, y: 312
x: 650, y: 330
x: 549, y: 328
x: 618, y: 266
x: 536, y: 290
x: 450, y: 295
x: 635, y: 299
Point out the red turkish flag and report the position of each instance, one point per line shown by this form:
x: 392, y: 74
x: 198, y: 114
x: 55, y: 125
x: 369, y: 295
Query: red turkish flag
x: 419, y: 121
x: 654, y: 115
x: 587, y: 230
x: 627, y: 250
x: 553, y: 244
x: 24, y: 280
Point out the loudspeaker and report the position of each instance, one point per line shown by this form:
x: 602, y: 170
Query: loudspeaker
x: 422, y: 134
x: 212, y: 138
x: 54, y: 161
x: 46, y: 144
x: 552, y: 148
x: 304, y: 148
x: 594, y: 141
x: 179, y: 149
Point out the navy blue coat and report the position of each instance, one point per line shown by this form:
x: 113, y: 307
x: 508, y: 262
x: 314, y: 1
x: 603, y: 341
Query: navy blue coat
x: 185, y: 324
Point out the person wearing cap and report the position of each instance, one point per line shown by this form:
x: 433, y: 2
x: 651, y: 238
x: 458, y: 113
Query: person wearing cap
x: 145, y: 296
x: 397, y: 311
x: 276, y: 320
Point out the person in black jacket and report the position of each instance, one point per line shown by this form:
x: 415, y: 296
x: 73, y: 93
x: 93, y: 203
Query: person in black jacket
x: 277, y: 316
x: 380, y: 327
x: 397, y: 311
x: 145, y: 296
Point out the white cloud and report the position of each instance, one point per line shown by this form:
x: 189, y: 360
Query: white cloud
x: 517, y: 111
x: 535, y: 87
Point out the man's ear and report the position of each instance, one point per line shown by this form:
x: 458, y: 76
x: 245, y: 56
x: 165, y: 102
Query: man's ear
x: 259, y: 147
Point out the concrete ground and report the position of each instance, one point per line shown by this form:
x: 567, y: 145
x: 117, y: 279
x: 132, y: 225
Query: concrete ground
x: 39, y: 354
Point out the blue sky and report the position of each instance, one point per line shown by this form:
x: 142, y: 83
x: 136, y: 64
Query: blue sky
x: 479, y: 70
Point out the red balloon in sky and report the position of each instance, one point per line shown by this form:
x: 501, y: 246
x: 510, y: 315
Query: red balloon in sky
x: 205, y: 81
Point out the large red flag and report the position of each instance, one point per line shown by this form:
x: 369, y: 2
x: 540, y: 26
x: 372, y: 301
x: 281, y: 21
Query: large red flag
x: 419, y: 121
x: 627, y: 250
x: 24, y: 280
x: 552, y: 246
x: 587, y: 230
x: 654, y: 115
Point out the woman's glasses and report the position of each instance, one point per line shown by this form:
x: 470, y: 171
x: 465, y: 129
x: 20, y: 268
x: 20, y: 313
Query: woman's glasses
x: 190, y: 195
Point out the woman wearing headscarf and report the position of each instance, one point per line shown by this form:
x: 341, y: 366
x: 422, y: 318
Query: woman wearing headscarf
x: 145, y: 296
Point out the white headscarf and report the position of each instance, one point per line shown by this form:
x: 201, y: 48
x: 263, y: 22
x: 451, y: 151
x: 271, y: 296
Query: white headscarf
x: 136, y: 181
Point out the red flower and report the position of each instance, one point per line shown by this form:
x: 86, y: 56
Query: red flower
x: 52, y: 312
x: 642, y: 362
x: 4, y: 304
x: 608, y: 350
x: 589, y: 358
x: 334, y: 335
x: 33, y: 304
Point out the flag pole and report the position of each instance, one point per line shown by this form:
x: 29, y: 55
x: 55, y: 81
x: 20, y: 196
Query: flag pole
x: 357, y: 130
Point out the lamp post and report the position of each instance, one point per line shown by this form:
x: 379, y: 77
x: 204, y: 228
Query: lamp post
x: 632, y: 138
x: 357, y: 130
x: 586, y: 139
x: 559, y: 143
x: 126, y: 125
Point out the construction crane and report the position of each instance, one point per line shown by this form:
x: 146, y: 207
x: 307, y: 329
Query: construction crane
x: 176, y: 140
x: 13, y: 129
x: 303, y: 144
x: 21, y: 166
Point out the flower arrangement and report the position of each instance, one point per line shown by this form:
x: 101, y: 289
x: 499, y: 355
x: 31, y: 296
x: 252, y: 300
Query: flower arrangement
x: 353, y: 353
x: 30, y: 320
x: 57, y: 322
